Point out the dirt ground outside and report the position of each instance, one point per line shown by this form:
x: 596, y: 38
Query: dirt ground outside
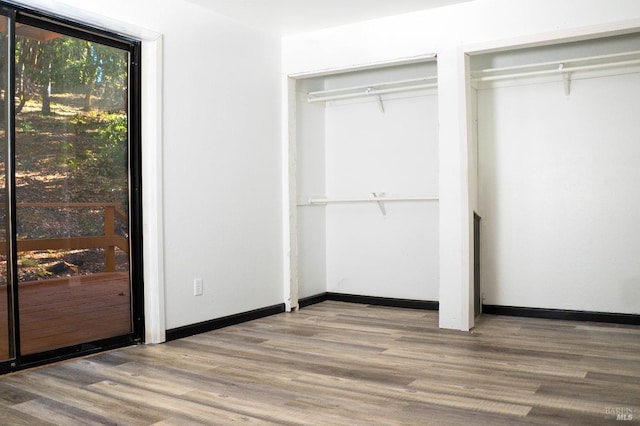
x: 65, y: 157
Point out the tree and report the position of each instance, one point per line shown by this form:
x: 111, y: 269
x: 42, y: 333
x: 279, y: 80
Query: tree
x: 35, y: 70
x: 49, y: 52
x: 94, y: 67
x: 27, y: 70
x: 69, y: 65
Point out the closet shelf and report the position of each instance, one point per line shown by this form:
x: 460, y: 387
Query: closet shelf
x: 560, y: 67
x: 323, y: 201
x: 374, y: 89
x: 376, y: 197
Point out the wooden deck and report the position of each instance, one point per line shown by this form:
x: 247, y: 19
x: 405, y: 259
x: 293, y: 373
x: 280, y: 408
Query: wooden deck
x: 336, y: 363
x: 60, y: 312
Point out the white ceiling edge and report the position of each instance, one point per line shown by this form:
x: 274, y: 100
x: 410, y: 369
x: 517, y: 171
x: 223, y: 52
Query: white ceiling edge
x: 288, y: 17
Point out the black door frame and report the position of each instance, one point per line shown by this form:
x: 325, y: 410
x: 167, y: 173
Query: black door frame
x: 477, y: 292
x: 23, y: 15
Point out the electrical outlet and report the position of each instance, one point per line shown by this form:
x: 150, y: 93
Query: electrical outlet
x: 197, y: 287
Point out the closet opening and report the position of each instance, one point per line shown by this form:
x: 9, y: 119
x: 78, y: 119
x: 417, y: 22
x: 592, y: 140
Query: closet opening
x: 364, y: 184
x: 558, y: 154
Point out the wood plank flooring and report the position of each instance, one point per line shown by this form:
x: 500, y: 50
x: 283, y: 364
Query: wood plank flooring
x: 336, y: 363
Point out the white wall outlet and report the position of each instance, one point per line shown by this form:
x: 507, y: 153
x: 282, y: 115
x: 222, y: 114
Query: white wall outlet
x: 197, y: 287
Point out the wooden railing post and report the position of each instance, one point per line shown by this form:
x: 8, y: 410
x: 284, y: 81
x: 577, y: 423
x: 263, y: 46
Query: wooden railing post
x: 109, y: 230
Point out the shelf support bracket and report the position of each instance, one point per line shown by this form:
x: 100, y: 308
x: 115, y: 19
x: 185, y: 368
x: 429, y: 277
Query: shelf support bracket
x: 380, y: 104
x: 380, y: 203
x: 566, y: 79
x: 370, y: 91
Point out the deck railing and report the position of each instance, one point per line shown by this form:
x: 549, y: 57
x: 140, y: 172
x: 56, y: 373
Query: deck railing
x: 109, y: 241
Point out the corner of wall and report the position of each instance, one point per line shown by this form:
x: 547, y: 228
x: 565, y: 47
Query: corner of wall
x: 152, y: 201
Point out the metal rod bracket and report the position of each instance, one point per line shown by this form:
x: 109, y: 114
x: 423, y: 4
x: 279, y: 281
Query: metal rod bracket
x: 381, y: 202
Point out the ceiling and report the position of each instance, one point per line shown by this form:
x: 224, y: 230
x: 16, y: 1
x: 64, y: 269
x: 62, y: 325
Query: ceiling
x: 294, y: 16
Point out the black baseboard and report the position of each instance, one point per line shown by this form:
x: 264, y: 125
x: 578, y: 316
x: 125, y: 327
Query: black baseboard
x: 562, y: 314
x: 369, y: 300
x: 312, y: 300
x: 202, y: 327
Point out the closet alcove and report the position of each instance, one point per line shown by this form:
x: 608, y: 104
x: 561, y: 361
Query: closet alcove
x: 364, y: 178
x: 558, y: 161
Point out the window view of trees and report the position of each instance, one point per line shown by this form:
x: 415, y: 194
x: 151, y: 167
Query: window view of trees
x: 69, y: 65
x: 71, y: 155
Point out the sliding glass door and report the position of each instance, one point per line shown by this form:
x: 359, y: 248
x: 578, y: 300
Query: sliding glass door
x: 6, y: 289
x: 70, y: 169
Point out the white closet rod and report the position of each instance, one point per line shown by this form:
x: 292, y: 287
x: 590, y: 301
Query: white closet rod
x: 376, y: 85
x: 321, y: 201
x: 556, y: 63
x: 373, y: 92
x: 371, y: 89
x: 558, y: 70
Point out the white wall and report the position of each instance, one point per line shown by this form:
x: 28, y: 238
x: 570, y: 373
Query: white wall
x: 222, y: 169
x: 395, y: 152
x: 221, y: 180
x: 559, y: 194
x: 450, y: 32
x: 311, y: 182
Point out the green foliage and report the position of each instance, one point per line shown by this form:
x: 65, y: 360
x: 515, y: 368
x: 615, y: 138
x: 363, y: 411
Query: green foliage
x: 30, y: 263
x: 112, y: 146
x: 23, y: 261
x: 26, y: 126
x: 91, y: 69
x: 106, y: 154
x: 82, y: 123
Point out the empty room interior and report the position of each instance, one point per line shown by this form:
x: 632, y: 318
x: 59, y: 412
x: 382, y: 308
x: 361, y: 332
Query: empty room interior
x: 320, y: 212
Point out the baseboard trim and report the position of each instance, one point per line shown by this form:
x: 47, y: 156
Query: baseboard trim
x: 312, y: 300
x: 203, y: 327
x: 369, y: 300
x: 562, y: 314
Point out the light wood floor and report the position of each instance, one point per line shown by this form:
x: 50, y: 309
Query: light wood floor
x: 344, y: 364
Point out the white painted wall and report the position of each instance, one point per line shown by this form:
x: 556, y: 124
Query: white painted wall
x: 222, y: 168
x: 311, y: 182
x: 220, y: 132
x: 395, y: 152
x: 559, y: 195
x: 450, y: 32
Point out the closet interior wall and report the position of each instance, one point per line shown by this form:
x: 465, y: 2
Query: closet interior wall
x: 359, y: 148
x: 559, y: 176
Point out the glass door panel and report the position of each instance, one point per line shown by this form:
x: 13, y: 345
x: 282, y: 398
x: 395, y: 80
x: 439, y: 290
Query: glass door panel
x: 72, y: 202
x: 6, y: 315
